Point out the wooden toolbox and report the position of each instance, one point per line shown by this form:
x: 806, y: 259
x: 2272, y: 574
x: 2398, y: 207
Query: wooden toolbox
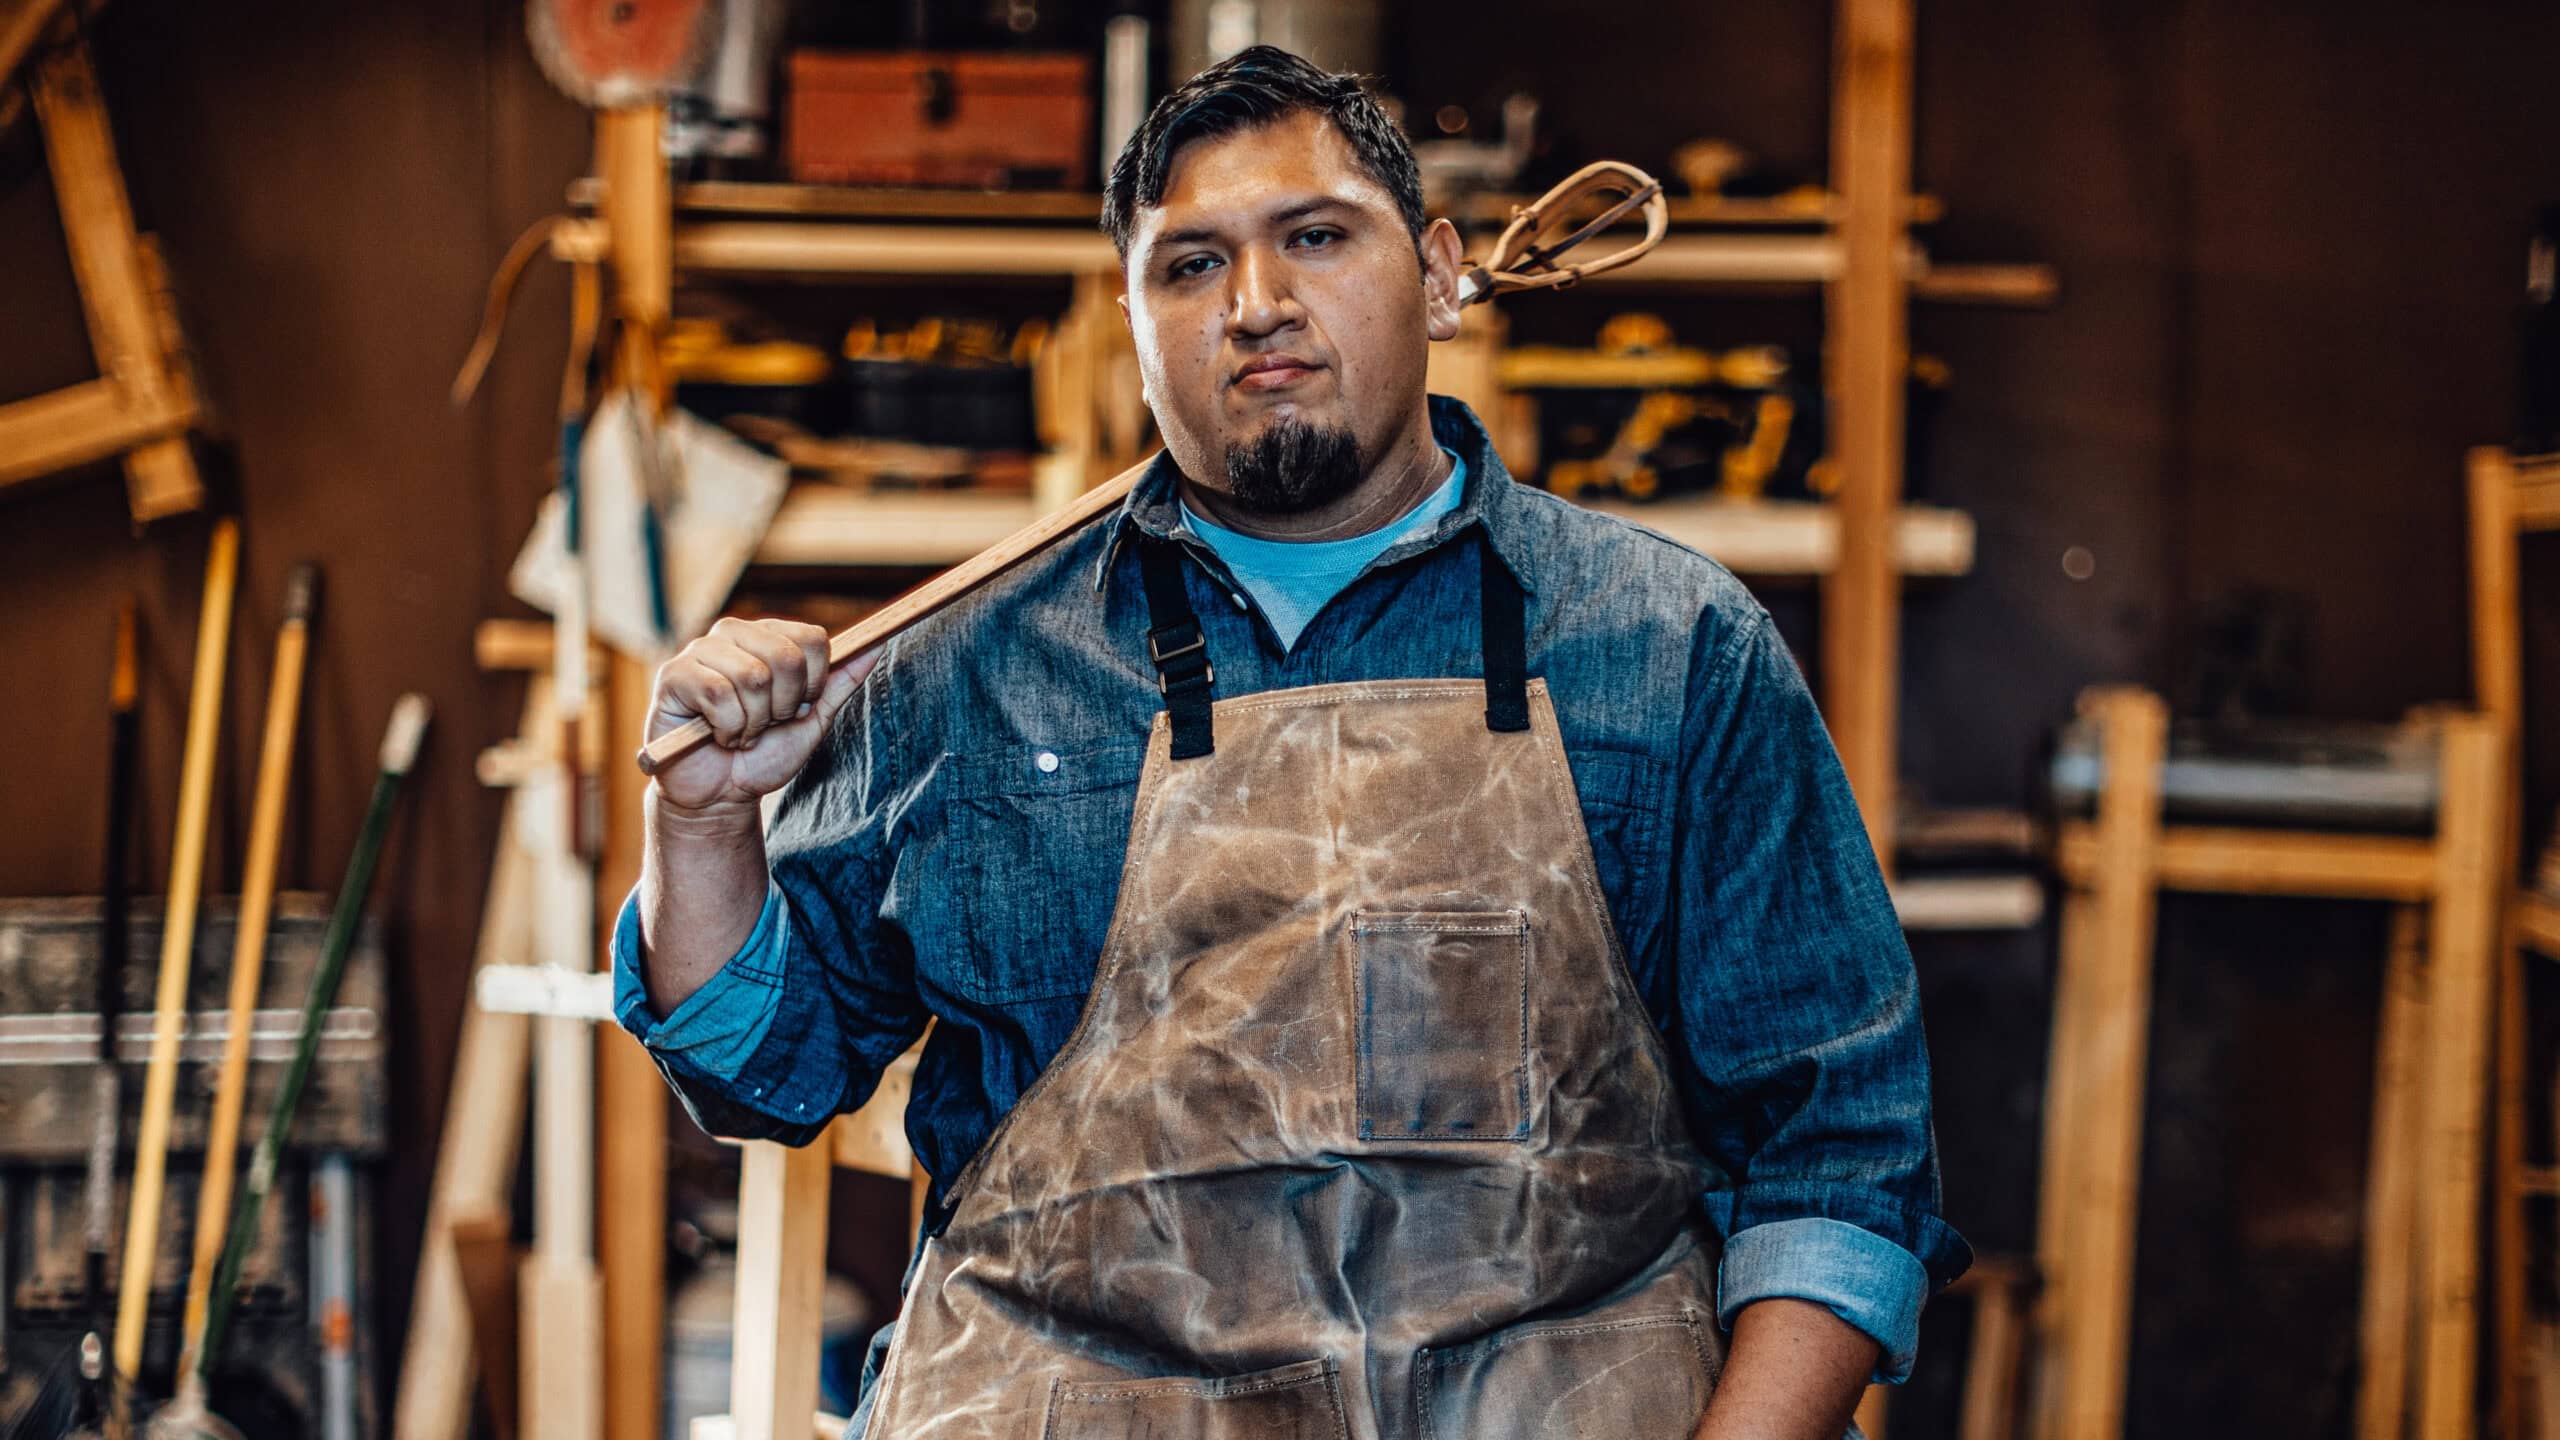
x: 940, y: 118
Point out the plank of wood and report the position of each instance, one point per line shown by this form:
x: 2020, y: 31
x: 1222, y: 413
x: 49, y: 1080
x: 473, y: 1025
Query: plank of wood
x: 49, y: 433
x: 2271, y: 862
x: 2105, y: 1198
x: 119, y: 283
x: 1867, y: 315
x: 2065, y: 1093
x: 2391, y: 1188
x: 22, y: 23
x: 484, y: 1252
x: 2021, y: 285
x: 2538, y: 924
x: 560, y: 1340
x: 782, y: 1232
x: 1989, y: 1408
x: 2497, y: 640
x: 2470, y: 890
x: 632, y: 1098
x: 477, y: 1153
x: 873, y: 1139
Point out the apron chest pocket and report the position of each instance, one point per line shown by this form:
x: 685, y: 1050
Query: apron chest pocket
x: 1444, y: 1040
x: 1640, y: 1378
x: 1294, y: 1402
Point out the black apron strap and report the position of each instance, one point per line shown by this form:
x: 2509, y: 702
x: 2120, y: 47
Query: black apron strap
x: 1506, y: 645
x: 1179, y: 650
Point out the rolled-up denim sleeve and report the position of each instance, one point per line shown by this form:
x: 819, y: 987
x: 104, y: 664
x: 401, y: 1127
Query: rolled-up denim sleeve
x: 1799, y: 1013
x: 797, y: 1026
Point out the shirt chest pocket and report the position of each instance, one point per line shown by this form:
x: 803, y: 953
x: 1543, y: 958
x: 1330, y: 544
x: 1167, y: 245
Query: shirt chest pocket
x: 1022, y: 868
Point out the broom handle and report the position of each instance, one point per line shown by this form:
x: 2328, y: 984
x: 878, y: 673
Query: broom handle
x: 177, y: 941
x: 399, y: 752
x: 248, y: 954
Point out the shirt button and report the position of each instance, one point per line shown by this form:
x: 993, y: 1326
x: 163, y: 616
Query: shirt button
x: 1048, y: 762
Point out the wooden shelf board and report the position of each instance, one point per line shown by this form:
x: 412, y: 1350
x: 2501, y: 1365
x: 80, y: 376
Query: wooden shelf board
x: 822, y: 525
x: 1797, y: 537
x: 2235, y: 861
x: 2538, y: 493
x: 783, y: 200
x: 1968, y: 902
x: 2538, y: 923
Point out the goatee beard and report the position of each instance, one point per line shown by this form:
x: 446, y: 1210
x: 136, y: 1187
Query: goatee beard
x: 1293, y: 467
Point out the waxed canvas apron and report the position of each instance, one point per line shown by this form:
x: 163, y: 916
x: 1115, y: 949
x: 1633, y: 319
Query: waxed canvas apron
x: 1364, y: 1131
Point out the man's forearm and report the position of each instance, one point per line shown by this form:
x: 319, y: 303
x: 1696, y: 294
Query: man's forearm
x: 1794, y: 1371
x: 702, y: 885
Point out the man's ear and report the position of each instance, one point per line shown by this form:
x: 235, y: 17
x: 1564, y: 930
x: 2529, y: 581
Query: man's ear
x: 1441, y: 257
x: 1125, y: 322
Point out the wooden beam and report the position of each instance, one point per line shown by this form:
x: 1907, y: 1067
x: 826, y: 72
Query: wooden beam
x: 2470, y: 893
x: 2538, y: 924
x: 120, y: 284
x: 2391, y: 1185
x: 2114, y: 1035
x: 22, y: 23
x: 1866, y: 351
x: 477, y: 1153
x: 2271, y: 862
x: 93, y: 420
x: 632, y: 1097
x: 782, y: 1237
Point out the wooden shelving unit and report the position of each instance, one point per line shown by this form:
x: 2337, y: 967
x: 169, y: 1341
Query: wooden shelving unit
x: 2510, y: 497
x: 1855, y: 245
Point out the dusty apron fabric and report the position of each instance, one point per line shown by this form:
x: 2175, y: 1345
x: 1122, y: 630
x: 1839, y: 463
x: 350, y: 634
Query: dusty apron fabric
x: 1364, y: 1132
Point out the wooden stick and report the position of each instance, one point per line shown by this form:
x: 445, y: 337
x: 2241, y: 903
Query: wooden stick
x: 927, y: 599
x: 115, y: 950
x: 476, y: 1155
x: 2392, y: 1184
x: 248, y: 960
x: 177, y: 947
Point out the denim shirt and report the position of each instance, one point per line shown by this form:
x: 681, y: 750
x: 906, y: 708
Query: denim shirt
x: 952, y: 853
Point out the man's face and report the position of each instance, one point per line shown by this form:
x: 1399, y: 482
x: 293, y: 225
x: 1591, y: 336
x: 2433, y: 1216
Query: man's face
x: 1282, y: 318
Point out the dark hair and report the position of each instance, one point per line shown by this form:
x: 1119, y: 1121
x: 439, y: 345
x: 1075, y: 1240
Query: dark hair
x: 1252, y: 88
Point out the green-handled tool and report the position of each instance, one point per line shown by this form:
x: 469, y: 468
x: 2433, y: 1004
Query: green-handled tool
x: 187, y: 1415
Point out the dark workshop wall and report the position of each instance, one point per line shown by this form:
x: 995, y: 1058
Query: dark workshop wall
x: 2289, y: 238
x: 332, y: 185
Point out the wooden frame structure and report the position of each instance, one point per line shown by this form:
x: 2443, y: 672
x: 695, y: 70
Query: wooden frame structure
x: 2420, y: 1319
x: 2510, y: 498
x: 144, y: 399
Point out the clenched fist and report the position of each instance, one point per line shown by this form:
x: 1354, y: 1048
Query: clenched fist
x: 764, y: 687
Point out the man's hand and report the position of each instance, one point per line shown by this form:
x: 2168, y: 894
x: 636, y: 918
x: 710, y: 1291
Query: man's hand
x: 764, y: 687
x: 1794, y: 1371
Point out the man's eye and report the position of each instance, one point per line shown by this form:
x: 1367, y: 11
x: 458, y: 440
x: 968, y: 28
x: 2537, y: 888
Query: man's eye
x: 1196, y: 265
x: 1319, y: 237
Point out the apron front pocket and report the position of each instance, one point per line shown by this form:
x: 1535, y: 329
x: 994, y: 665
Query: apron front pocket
x: 1444, y: 1025
x: 1294, y: 1402
x: 1644, y: 1377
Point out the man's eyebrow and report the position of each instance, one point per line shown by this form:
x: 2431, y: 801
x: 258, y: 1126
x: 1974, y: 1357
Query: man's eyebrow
x: 1297, y: 210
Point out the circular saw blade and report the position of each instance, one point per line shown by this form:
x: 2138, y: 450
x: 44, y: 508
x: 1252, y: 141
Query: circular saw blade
x: 605, y: 53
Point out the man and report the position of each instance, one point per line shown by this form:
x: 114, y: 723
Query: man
x: 1406, y: 959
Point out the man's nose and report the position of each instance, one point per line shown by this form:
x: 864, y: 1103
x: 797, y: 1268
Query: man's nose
x: 1261, y: 301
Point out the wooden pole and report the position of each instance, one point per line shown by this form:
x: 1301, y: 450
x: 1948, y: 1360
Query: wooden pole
x: 248, y: 962
x: 177, y: 947
x: 632, y: 1097
x: 782, y: 1245
x: 1867, y: 315
x: 476, y: 1156
x: 2470, y: 893
x: 2497, y: 670
x: 2097, y: 1262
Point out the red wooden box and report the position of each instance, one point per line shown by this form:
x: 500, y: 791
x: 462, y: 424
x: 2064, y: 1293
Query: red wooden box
x: 927, y: 118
